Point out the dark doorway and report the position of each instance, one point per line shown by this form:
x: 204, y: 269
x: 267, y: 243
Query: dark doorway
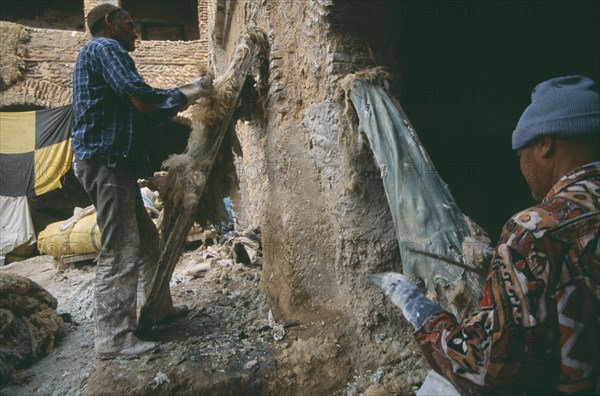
x: 48, y: 14
x: 165, y: 20
x: 463, y: 72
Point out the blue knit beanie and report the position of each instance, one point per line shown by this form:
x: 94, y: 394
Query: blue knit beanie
x: 565, y: 107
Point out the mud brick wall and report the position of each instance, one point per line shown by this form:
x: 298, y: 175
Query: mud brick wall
x: 49, y: 66
x: 51, y: 55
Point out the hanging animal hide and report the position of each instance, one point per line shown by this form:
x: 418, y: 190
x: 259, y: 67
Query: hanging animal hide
x: 204, y: 174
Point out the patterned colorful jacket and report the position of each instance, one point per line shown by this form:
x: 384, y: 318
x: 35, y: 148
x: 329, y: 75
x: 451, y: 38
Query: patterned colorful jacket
x: 538, y: 325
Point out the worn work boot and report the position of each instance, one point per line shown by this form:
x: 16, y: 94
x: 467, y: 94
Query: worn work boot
x: 133, y: 352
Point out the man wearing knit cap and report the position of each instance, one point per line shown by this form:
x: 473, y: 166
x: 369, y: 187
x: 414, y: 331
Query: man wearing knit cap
x: 537, y: 330
x: 111, y: 102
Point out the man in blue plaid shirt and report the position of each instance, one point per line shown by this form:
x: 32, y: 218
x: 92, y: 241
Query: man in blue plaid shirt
x: 109, y: 99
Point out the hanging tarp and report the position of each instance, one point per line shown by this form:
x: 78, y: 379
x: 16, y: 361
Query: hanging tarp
x: 427, y: 219
x: 16, y: 227
x: 35, y: 150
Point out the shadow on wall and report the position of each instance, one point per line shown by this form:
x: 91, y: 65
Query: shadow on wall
x: 164, y: 140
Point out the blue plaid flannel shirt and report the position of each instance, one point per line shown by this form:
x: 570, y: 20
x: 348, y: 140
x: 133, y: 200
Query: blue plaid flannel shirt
x: 106, y: 123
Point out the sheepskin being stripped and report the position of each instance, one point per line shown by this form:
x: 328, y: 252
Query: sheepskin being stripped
x: 185, y: 194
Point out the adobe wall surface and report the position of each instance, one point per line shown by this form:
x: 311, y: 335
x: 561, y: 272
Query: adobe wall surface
x: 320, y: 240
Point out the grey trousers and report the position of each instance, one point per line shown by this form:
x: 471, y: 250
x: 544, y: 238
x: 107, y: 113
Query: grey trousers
x: 130, y: 250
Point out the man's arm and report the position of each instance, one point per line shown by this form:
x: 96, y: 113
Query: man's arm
x: 119, y: 71
x: 508, y: 342
x: 200, y: 87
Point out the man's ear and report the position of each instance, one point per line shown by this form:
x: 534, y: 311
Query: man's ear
x: 546, y: 145
x: 107, y: 24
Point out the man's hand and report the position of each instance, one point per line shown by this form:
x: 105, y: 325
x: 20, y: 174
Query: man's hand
x: 200, y: 87
x: 407, y: 296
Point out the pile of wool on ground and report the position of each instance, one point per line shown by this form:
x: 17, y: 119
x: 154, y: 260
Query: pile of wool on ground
x: 29, y: 324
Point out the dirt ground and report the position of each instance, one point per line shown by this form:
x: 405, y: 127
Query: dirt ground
x: 230, y: 343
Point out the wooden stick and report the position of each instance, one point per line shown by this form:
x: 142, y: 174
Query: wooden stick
x: 448, y: 261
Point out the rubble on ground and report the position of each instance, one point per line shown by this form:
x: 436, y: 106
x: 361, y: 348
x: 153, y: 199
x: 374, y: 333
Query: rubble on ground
x: 224, y: 339
x: 232, y: 342
x: 223, y: 251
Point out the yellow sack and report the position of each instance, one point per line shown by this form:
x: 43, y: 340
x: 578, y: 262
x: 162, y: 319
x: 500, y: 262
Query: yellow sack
x: 85, y: 237
x: 54, y: 242
x: 78, y: 235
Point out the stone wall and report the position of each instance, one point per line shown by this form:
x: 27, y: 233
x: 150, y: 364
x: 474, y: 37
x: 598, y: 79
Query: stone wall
x: 56, y: 14
x: 49, y: 65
